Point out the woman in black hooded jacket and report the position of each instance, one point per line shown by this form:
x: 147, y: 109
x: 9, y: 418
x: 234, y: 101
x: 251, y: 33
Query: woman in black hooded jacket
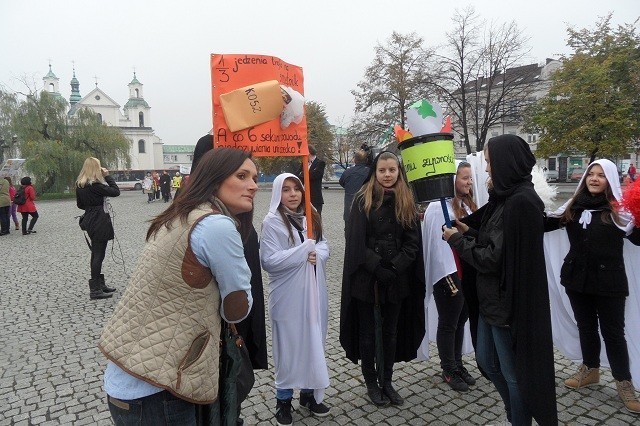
x: 93, y: 185
x: 515, y: 346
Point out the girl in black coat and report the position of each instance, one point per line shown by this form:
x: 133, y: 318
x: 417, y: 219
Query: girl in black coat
x: 93, y: 185
x: 594, y: 277
x: 383, y: 261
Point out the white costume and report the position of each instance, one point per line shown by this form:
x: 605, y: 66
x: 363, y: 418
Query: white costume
x: 298, y: 300
x: 438, y: 263
x: 564, y: 327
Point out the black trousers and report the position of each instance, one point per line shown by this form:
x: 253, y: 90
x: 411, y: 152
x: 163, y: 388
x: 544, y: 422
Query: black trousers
x: 390, y: 314
x: 452, y: 315
x: 609, y: 312
x: 5, y: 220
x: 98, y: 252
x: 25, y: 219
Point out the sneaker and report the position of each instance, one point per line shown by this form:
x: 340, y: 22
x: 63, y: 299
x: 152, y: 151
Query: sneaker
x: 453, y: 379
x: 308, y: 401
x: 584, y: 377
x: 466, y: 376
x: 628, y: 396
x: 283, y: 411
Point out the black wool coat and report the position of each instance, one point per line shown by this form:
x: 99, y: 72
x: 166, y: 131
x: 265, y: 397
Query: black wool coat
x: 96, y: 220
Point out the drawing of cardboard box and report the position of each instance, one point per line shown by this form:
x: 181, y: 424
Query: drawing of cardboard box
x: 252, y: 105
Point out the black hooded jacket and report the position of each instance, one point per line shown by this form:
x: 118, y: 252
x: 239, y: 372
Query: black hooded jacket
x: 512, y: 283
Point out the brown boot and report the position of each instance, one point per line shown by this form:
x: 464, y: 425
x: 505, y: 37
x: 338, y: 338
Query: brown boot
x: 628, y: 396
x: 584, y: 377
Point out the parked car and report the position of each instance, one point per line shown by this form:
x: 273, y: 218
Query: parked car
x: 576, y: 175
x: 551, y: 175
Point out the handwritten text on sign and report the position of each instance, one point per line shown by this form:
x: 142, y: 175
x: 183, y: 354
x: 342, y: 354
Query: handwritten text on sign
x: 429, y: 159
x: 232, y: 72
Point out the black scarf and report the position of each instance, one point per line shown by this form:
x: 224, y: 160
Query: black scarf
x: 585, y: 201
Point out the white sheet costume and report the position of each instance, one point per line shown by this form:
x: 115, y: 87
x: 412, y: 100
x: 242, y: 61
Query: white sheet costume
x: 565, y: 330
x: 438, y: 263
x: 298, y: 300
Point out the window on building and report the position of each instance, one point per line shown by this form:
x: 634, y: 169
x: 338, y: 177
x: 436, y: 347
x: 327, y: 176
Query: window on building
x: 141, y: 148
x: 190, y: 157
x: 99, y: 116
x: 52, y: 88
x: 137, y: 93
x: 552, y: 163
x: 494, y: 134
x: 141, y: 119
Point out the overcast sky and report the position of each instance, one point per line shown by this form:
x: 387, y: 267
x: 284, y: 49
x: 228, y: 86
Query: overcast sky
x: 169, y: 43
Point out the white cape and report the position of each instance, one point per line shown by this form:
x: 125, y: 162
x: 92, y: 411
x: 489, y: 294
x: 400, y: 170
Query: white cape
x: 298, y: 302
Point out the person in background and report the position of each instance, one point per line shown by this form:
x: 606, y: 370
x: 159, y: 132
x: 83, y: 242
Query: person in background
x: 29, y: 208
x: 165, y: 186
x: 383, y: 269
x: 632, y: 172
x: 93, y: 186
x: 5, y: 207
x: 176, y: 183
x: 14, y: 206
x: 156, y: 184
x: 594, y: 277
x: 147, y: 187
x: 316, y: 173
x: 163, y: 340
x: 352, y: 180
x: 444, y: 273
x: 514, y: 347
x: 298, y: 298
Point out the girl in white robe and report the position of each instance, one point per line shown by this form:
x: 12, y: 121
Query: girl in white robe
x: 298, y: 299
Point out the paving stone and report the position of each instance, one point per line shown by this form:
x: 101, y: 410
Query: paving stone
x: 51, y: 371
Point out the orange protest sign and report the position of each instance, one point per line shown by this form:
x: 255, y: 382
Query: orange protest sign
x: 285, y: 135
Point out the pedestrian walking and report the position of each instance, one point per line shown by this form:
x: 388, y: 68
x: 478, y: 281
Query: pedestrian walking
x: 632, y: 172
x: 29, y: 207
x: 515, y: 346
x: 93, y: 186
x: 443, y: 278
x: 14, y: 206
x: 147, y: 188
x: 165, y: 186
x: 594, y: 277
x: 298, y: 299
x: 163, y: 340
x: 176, y: 183
x: 316, y: 174
x: 383, y: 279
x: 5, y: 207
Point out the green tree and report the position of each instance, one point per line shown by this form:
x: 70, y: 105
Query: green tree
x: 318, y: 134
x: 594, y: 101
x: 54, y: 144
x: 394, y: 80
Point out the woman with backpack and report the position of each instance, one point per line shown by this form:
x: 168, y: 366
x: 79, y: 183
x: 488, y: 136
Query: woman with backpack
x: 28, y: 207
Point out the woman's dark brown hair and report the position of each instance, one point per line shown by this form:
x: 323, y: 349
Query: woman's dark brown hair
x: 316, y: 219
x: 607, y: 215
x: 202, y: 187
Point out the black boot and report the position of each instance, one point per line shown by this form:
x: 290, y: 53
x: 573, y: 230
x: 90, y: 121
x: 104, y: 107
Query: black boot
x: 283, y: 411
x: 95, y: 292
x: 375, y: 394
x: 103, y: 285
x: 391, y: 393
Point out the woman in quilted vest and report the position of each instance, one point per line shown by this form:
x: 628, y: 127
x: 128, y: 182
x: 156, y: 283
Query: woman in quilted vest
x: 163, y: 340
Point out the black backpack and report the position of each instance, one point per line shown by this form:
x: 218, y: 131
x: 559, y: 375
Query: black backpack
x: 20, y: 198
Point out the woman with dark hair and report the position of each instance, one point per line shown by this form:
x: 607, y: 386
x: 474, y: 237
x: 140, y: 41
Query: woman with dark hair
x: 594, y: 277
x: 443, y: 277
x: 383, y: 273
x: 514, y: 346
x: 29, y: 208
x: 163, y: 340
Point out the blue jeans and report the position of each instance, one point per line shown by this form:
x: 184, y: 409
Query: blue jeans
x: 284, y: 394
x: 161, y: 408
x: 497, y: 358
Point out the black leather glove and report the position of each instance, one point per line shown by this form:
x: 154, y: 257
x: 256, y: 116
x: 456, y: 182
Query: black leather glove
x: 385, y: 275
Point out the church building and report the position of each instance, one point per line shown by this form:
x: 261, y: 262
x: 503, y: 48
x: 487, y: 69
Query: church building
x: 145, y: 149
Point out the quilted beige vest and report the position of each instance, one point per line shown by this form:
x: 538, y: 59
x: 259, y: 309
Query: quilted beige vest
x: 166, y: 328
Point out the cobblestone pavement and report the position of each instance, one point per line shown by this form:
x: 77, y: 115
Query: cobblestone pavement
x: 51, y: 371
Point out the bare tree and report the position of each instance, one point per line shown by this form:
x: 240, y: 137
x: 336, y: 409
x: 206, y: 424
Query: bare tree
x: 392, y: 82
x: 478, y: 77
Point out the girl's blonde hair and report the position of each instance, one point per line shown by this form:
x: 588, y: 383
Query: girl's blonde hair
x: 371, y: 194
x: 91, y: 172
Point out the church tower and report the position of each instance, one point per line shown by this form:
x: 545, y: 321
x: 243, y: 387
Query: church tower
x: 136, y: 109
x: 51, y: 83
x: 75, y: 89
